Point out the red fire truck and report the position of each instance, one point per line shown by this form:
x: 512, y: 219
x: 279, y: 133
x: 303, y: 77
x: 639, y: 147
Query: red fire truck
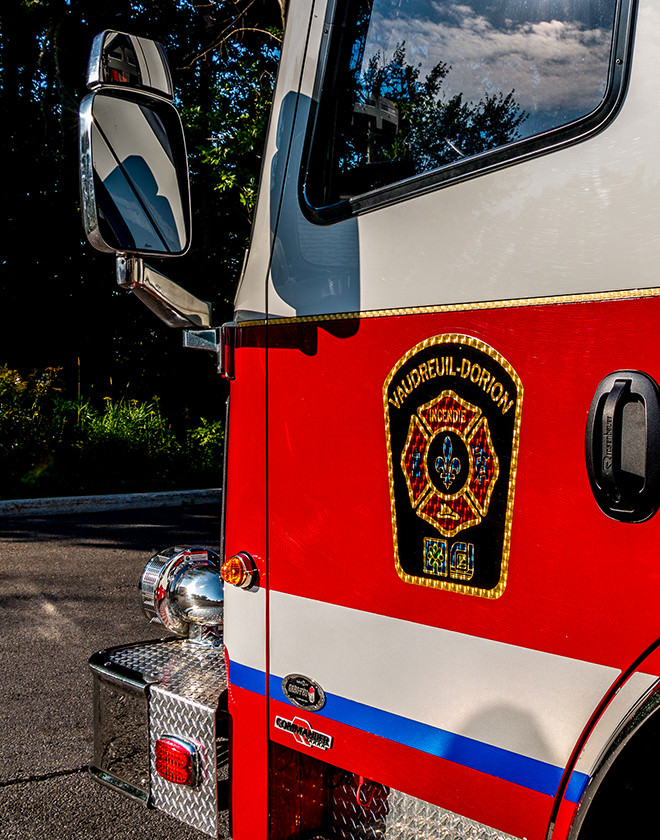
x: 431, y: 615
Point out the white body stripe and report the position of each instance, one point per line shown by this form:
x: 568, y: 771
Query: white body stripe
x: 625, y: 700
x: 529, y: 702
x: 245, y: 626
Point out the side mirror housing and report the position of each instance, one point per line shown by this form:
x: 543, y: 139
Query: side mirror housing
x: 123, y: 60
x: 135, y: 192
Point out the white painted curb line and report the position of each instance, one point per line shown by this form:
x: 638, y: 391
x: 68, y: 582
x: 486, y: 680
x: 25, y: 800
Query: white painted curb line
x: 118, y: 501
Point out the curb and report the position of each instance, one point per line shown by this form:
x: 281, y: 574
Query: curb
x: 117, y: 501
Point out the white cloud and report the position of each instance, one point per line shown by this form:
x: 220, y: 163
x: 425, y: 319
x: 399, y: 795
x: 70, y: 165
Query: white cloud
x: 553, y: 65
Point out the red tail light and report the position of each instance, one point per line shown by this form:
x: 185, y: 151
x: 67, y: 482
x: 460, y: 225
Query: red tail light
x: 177, y: 761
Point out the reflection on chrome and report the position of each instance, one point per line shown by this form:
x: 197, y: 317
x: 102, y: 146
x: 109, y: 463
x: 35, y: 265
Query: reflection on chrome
x: 136, y: 176
x: 181, y: 587
x: 124, y: 60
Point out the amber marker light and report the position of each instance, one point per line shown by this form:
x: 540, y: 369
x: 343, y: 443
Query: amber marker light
x: 239, y: 570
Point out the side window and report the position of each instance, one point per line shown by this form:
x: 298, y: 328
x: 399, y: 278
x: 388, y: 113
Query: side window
x: 414, y: 87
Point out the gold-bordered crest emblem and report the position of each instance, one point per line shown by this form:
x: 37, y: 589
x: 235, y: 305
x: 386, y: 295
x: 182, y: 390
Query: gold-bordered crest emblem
x: 452, y: 422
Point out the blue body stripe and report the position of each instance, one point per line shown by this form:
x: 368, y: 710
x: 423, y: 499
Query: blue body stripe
x: 576, y: 785
x: 503, y: 764
x: 245, y: 677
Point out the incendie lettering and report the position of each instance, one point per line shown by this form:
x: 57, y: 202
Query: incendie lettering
x: 448, y: 415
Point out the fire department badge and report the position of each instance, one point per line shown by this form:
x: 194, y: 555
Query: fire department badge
x: 452, y: 421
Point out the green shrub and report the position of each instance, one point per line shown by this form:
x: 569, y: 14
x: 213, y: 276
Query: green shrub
x: 204, y: 446
x: 29, y: 422
x: 52, y: 446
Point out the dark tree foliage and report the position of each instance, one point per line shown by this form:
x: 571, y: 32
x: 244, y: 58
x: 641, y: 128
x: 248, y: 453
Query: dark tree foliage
x: 60, y: 305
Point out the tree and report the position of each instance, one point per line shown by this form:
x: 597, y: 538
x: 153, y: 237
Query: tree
x: 61, y: 306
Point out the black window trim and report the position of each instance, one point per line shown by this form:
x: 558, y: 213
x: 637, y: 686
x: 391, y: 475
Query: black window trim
x: 503, y: 156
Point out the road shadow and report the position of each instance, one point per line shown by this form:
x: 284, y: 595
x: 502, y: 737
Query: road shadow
x: 135, y: 529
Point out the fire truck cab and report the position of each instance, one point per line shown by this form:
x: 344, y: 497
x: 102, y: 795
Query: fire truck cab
x: 443, y: 437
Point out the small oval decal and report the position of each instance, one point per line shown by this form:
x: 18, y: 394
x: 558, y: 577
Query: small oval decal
x: 303, y: 692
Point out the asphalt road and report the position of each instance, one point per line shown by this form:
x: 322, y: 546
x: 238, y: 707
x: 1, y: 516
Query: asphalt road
x: 68, y: 587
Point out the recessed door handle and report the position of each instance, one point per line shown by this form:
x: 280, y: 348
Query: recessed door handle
x: 622, y: 446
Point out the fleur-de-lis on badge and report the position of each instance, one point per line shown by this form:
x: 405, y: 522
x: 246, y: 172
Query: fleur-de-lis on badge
x: 447, y: 467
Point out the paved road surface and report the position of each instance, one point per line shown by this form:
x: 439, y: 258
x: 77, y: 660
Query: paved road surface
x: 68, y: 587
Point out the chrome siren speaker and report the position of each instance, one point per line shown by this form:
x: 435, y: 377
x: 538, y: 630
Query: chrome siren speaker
x: 181, y: 589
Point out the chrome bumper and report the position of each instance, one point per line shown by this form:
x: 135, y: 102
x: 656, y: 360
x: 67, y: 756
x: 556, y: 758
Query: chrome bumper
x: 148, y: 690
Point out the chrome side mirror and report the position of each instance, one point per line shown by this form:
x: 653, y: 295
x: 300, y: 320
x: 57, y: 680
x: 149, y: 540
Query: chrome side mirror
x: 135, y: 193
x: 134, y: 174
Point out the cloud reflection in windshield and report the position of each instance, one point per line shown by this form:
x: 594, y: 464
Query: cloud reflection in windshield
x: 553, y: 53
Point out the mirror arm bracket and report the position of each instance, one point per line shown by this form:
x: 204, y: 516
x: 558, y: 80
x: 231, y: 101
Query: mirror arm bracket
x: 204, y: 340
x: 171, y: 302
x: 220, y: 341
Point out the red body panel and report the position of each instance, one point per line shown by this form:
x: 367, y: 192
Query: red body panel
x: 246, y: 526
x: 571, y: 568
x: 462, y: 790
x: 580, y: 585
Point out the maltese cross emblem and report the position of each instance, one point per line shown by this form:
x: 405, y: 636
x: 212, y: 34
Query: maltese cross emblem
x: 449, y: 463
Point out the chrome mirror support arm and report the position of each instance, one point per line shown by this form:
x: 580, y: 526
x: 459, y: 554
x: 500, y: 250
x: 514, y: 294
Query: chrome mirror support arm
x: 205, y: 340
x: 202, y: 340
x: 171, y: 302
x: 178, y: 308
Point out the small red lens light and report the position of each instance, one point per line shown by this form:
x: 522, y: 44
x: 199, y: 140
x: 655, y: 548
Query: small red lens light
x: 176, y: 761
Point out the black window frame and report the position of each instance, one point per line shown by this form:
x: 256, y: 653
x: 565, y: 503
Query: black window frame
x: 507, y: 155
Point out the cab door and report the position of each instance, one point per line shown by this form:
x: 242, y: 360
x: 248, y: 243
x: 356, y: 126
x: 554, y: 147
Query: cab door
x: 465, y: 248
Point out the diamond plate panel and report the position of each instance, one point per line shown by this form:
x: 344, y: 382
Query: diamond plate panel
x: 191, y: 670
x: 355, y: 808
x: 171, y: 714
x: 370, y: 811
x: 186, y: 680
x: 413, y: 819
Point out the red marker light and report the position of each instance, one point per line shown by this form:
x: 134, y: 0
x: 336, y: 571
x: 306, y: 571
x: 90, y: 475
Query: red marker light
x: 177, y: 761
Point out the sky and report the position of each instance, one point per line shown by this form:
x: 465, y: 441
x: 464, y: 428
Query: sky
x: 554, y: 54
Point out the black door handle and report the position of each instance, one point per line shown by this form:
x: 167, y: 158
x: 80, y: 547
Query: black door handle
x: 622, y: 446
x: 611, y: 408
